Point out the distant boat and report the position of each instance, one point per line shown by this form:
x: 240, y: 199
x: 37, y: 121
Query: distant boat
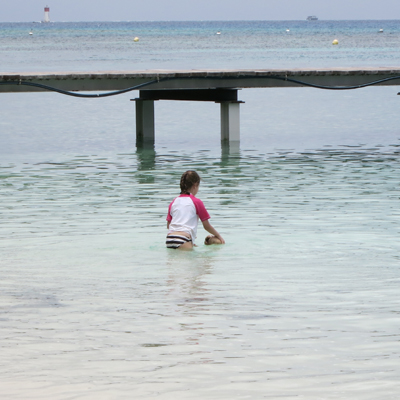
x: 312, y: 18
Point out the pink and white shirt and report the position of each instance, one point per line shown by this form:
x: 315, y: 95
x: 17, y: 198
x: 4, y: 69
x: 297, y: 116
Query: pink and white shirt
x: 184, y: 213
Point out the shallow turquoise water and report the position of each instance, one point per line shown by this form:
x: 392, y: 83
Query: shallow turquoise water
x: 302, y: 300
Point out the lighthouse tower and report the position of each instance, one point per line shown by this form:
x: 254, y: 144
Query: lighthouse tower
x: 46, y: 14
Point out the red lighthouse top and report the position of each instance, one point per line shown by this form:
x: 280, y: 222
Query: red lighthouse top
x: 47, y: 9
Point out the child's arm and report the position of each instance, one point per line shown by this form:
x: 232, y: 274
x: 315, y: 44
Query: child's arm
x: 210, y: 229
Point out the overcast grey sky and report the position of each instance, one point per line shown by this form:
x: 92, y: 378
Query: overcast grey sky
x: 185, y: 10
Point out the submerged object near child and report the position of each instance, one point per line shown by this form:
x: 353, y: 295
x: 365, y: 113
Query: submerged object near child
x: 211, y: 239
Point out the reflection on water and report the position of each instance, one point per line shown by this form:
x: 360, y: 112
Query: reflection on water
x: 146, y: 157
x: 189, y: 294
x: 302, y: 297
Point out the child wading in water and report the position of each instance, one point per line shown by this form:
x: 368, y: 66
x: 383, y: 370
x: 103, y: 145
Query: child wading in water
x: 184, y: 213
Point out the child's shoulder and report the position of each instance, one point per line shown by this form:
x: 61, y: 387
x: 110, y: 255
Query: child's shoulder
x: 196, y: 199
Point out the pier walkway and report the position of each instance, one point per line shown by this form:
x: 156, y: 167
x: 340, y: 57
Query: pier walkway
x: 219, y: 86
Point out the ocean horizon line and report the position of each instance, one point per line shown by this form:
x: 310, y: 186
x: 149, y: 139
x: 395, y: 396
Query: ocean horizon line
x: 209, y: 20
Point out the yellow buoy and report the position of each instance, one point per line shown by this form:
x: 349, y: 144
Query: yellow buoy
x: 136, y: 39
x: 335, y: 41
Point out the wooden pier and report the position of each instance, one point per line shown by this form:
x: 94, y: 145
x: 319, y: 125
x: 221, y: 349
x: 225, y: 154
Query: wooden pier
x: 219, y: 86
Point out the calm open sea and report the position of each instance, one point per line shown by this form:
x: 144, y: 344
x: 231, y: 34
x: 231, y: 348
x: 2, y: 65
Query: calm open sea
x: 302, y: 301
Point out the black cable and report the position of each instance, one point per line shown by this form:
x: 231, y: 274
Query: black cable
x: 74, y: 94
x: 117, y: 92
x: 337, y: 87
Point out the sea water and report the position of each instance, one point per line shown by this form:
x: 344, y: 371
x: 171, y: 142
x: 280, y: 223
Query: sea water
x: 302, y: 300
x: 181, y: 45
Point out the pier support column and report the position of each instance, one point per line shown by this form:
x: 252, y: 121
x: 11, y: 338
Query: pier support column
x: 144, y: 122
x: 230, y: 122
x: 227, y: 97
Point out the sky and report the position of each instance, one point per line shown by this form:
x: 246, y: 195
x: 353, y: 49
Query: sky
x: 189, y: 10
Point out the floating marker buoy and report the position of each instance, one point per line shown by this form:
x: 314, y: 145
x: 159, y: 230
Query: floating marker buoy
x: 136, y: 39
x: 218, y: 33
x: 380, y: 30
x: 287, y: 30
x: 31, y: 33
x: 335, y: 41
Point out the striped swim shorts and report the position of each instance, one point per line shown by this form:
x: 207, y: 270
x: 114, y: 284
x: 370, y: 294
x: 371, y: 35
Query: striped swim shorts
x: 175, y: 241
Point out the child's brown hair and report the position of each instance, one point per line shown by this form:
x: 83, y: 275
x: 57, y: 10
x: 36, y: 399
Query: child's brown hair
x: 188, y: 179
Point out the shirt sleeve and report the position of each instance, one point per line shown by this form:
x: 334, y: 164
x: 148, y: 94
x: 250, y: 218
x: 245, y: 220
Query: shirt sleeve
x: 169, y: 216
x: 200, y: 209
